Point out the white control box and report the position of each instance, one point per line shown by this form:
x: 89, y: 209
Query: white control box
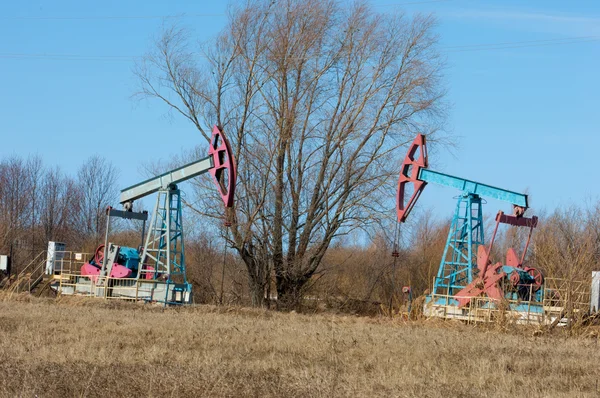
x: 4, y: 263
x: 56, y: 253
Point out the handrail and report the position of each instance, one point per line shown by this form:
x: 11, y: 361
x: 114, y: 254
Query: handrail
x: 116, y: 288
x: 36, y: 258
x: 37, y: 262
x: 37, y: 280
x: 34, y: 271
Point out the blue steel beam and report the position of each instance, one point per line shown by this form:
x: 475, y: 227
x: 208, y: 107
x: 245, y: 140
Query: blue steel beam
x: 473, y: 187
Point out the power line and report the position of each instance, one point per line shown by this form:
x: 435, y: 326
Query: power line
x: 411, y: 3
x: 521, y: 44
x: 182, y: 15
x: 66, y: 18
x: 70, y: 57
x: 449, y: 49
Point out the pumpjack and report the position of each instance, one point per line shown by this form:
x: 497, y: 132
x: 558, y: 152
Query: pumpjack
x: 466, y: 276
x: 156, y: 271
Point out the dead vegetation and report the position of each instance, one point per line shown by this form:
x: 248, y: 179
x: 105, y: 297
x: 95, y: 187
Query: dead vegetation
x: 82, y: 347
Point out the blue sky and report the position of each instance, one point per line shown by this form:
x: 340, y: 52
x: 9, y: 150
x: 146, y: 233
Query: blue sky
x: 526, y: 112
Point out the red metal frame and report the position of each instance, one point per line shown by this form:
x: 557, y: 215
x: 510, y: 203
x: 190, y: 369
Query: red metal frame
x: 409, y: 174
x: 99, y: 255
x: 490, y: 275
x: 224, y: 171
x: 486, y: 282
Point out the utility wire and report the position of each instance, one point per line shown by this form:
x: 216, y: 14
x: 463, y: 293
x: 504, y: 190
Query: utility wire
x: 70, y: 57
x: 411, y: 3
x: 183, y: 15
x: 450, y: 49
x: 76, y: 18
x: 520, y: 44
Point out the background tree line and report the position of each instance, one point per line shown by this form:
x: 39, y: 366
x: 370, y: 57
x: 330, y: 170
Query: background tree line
x: 40, y: 203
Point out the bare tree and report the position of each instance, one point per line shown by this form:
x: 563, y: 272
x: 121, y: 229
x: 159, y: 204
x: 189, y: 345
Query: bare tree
x: 318, y: 98
x: 35, y: 174
x: 59, y: 205
x: 427, y: 247
x: 97, y: 181
x: 566, y: 245
x: 15, y: 206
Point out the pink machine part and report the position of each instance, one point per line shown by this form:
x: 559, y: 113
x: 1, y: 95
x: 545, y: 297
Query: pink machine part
x: 414, y: 161
x: 148, y: 272
x: 117, y: 271
x: 92, y: 271
x: 490, y: 275
x: 224, y: 172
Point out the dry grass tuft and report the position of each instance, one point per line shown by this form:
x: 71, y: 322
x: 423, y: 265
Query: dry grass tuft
x: 86, y: 347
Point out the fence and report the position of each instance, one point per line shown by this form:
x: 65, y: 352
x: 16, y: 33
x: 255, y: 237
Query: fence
x: 128, y: 289
x: 562, y: 301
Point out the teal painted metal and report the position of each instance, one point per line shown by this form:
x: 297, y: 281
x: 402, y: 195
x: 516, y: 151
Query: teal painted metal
x: 460, y: 254
x: 473, y: 187
x: 173, y: 242
x: 164, y: 251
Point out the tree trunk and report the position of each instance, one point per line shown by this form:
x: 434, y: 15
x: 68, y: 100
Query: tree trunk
x: 290, y: 292
x: 257, y: 294
x: 258, y: 276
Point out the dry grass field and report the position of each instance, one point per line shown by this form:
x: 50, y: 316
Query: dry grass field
x: 77, y: 347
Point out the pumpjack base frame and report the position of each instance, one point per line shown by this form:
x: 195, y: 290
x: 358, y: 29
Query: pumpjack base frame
x: 485, y: 310
x: 128, y: 289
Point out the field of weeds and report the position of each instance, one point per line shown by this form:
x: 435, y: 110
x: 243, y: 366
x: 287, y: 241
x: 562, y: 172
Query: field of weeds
x: 78, y: 347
